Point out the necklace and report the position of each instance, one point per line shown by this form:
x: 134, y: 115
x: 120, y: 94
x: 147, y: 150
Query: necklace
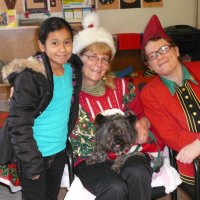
x: 10, y: 3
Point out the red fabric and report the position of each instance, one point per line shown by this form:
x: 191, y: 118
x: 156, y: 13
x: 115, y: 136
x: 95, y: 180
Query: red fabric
x: 167, y: 116
x: 129, y: 41
x: 152, y: 30
x: 3, y: 116
x: 137, y: 81
x: 8, y: 175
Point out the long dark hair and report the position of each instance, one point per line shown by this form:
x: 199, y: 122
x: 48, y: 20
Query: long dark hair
x: 52, y: 24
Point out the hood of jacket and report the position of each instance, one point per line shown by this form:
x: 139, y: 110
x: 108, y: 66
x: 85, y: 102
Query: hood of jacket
x: 20, y: 64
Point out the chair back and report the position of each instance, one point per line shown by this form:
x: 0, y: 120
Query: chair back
x: 4, y: 96
x: 196, y: 164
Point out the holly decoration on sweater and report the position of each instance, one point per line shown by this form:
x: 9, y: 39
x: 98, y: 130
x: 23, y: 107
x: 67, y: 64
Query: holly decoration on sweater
x: 82, y: 138
x: 128, y: 97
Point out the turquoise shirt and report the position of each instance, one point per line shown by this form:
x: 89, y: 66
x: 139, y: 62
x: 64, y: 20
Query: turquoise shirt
x: 171, y: 84
x: 50, y: 128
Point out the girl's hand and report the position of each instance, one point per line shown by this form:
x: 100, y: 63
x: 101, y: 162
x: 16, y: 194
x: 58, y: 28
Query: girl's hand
x: 142, y: 126
x: 189, y: 152
x: 35, y: 177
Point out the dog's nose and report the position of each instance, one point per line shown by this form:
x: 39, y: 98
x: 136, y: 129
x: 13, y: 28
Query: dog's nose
x: 118, y: 141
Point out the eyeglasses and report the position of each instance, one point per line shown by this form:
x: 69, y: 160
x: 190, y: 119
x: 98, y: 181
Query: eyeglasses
x: 162, y: 50
x: 95, y: 59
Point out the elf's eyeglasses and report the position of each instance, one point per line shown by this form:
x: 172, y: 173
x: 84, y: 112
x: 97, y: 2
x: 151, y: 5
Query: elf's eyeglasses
x: 163, y: 50
x: 95, y: 59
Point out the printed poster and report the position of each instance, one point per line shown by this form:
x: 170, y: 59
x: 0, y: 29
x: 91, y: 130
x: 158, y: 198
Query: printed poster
x: 152, y: 3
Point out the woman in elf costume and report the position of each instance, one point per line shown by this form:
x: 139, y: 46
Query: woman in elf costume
x: 171, y: 99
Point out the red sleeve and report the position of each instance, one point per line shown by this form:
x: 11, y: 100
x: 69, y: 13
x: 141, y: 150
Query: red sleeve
x: 170, y: 132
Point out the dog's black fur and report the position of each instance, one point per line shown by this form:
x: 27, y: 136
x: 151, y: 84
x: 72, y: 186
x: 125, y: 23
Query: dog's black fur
x: 114, y: 133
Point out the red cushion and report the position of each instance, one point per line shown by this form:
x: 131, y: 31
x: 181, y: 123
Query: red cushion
x: 137, y: 81
x: 128, y: 41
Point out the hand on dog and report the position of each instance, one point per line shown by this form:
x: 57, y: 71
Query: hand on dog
x: 35, y: 177
x: 142, y: 126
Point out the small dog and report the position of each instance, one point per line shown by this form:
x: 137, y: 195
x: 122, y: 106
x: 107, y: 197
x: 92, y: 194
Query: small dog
x: 114, y: 133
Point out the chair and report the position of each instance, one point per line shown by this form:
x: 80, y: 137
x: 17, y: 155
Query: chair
x: 197, y: 178
x: 196, y: 164
x: 70, y: 162
x: 159, y: 192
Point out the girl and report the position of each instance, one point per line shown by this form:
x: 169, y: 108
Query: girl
x: 43, y: 109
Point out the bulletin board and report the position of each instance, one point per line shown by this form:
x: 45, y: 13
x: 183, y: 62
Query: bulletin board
x: 73, y: 15
x: 35, y: 6
x: 126, y: 4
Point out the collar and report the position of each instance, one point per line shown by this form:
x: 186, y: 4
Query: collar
x: 171, y: 84
x: 97, y: 90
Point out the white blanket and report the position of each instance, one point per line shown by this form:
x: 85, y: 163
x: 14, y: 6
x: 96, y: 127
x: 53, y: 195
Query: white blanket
x: 167, y: 176
x: 77, y: 190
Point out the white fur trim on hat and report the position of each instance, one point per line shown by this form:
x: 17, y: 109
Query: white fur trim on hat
x: 91, y: 19
x: 91, y: 34
x: 112, y: 111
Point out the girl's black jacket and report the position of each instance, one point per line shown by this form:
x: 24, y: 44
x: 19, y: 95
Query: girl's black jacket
x: 32, y: 80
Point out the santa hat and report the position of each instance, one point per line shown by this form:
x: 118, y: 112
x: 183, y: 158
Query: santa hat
x: 92, y: 33
x: 152, y: 30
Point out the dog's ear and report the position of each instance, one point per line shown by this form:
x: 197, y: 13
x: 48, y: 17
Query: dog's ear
x: 130, y: 116
x: 99, y: 119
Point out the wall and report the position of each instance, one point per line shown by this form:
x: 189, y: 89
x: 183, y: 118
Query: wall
x: 198, y: 14
x: 18, y: 42
x: 134, y: 20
